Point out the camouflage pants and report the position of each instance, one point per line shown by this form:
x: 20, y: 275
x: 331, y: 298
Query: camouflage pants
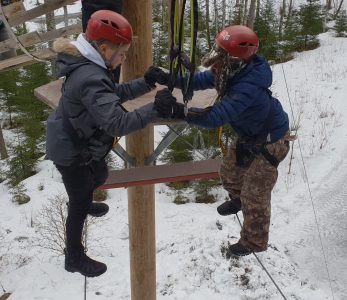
x: 253, y: 185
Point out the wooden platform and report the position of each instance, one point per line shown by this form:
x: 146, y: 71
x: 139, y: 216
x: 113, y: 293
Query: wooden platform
x: 51, y: 93
x: 191, y: 170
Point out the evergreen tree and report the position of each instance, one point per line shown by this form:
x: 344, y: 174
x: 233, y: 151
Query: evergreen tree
x: 266, y: 27
x: 341, y: 24
x: 311, y: 20
x: 291, y: 33
x: 28, y: 115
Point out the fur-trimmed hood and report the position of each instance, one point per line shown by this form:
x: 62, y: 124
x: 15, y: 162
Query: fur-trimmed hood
x: 71, y: 53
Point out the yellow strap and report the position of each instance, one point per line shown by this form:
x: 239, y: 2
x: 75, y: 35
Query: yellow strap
x: 115, y: 141
x: 222, y: 146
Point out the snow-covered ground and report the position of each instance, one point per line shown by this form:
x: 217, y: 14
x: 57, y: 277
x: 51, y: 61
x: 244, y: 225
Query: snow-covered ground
x: 309, y: 215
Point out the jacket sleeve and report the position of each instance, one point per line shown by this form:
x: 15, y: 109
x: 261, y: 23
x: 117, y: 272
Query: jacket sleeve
x: 105, y: 107
x: 228, y: 110
x: 132, y: 89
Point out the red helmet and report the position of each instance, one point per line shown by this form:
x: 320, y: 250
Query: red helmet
x: 239, y: 41
x: 109, y: 25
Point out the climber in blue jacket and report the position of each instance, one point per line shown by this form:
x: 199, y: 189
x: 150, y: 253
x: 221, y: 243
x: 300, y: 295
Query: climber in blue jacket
x: 249, y: 170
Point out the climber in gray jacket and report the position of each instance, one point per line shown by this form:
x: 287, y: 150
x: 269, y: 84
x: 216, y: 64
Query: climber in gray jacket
x: 81, y: 131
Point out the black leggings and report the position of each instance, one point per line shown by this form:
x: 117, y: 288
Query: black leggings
x: 80, y: 183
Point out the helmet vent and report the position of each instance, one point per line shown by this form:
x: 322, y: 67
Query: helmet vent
x: 114, y: 25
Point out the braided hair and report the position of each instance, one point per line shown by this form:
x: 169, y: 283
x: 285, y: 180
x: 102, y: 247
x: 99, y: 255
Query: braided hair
x: 224, y: 67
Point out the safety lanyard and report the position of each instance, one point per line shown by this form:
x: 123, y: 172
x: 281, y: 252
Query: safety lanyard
x: 182, y: 65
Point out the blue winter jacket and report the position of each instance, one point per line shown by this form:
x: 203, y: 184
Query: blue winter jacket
x: 246, y: 104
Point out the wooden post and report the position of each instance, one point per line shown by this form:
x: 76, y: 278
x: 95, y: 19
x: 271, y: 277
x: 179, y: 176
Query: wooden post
x: 140, y: 145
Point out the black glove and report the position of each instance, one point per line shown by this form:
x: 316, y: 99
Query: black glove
x: 167, y: 105
x: 155, y: 74
x: 178, y: 111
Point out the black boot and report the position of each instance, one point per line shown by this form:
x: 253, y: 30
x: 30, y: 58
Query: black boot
x: 238, y: 250
x: 83, y: 264
x: 98, y: 209
x: 231, y: 207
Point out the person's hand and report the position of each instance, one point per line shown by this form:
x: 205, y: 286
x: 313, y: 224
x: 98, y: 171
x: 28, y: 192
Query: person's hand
x: 167, y: 105
x: 164, y: 102
x: 155, y: 74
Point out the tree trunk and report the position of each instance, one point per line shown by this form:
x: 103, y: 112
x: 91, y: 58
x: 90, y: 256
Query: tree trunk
x: 208, y: 33
x: 245, y: 12
x: 223, y: 14
x: 282, y: 14
x: 3, y: 151
x: 216, y: 29
x: 290, y: 9
x: 328, y: 5
x: 338, y: 9
x: 51, y: 25
x: 251, y: 14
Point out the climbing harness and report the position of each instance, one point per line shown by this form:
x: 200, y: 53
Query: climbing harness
x: 182, y: 66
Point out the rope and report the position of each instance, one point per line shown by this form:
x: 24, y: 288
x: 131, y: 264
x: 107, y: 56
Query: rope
x: 85, y: 250
x: 3, y: 289
x: 262, y: 265
x: 309, y: 190
x: 14, y: 37
x: 179, y: 61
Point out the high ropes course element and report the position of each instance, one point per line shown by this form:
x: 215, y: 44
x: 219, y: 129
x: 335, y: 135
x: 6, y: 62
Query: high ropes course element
x: 182, y: 66
x: 15, y: 14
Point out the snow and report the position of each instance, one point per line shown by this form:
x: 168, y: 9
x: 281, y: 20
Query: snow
x: 308, y: 212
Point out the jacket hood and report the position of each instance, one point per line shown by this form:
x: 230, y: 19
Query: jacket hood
x: 257, y: 72
x: 71, y: 54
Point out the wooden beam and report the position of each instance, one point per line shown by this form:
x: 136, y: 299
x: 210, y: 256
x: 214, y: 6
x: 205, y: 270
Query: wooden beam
x: 13, y: 9
x: 42, y: 9
x: 50, y: 94
x: 140, y: 145
x: 192, y: 170
x: 24, y: 59
x: 35, y: 37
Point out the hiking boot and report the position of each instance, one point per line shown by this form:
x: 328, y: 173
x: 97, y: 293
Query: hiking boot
x: 229, y: 207
x: 98, y: 209
x: 239, y: 250
x: 83, y: 264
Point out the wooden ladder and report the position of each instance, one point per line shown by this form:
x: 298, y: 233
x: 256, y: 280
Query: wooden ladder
x: 15, y: 14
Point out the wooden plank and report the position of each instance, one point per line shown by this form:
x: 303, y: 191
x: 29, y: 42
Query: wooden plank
x: 58, y: 18
x: 51, y: 93
x: 42, y: 9
x: 205, y: 169
x: 13, y: 9
x: 24, y: 59
x: 35, y: 37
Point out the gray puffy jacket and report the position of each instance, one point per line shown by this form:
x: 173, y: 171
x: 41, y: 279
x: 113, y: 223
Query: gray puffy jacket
x: 92, y: 102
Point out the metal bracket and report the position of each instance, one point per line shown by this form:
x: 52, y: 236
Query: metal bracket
x: 170, y: 136
x: 120, y: 151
